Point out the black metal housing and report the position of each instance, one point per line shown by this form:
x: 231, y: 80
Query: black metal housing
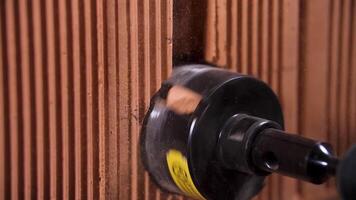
x: 225, y: 94
x: 231, y: 141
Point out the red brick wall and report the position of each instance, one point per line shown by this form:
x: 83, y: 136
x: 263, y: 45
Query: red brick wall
x: 76, y: 77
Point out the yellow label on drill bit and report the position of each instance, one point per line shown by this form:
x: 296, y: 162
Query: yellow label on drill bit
x: 178, y: 167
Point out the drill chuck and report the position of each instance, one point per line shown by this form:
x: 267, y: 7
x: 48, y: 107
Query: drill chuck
x: 259, y: 146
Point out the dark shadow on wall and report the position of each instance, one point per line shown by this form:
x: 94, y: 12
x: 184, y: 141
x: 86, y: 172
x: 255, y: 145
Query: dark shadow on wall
x: 189, y: 26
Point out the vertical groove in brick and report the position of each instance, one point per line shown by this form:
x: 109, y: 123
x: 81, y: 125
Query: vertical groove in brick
x: 163, y: 38
x: 52, y: 106
x: 12, y: 84
x: 279, y: 46
x: 46, y: 154
x: 83, y: 145
x: 77, y: 86
x: 55, y: 89
x: 101, y: 89
x: 65, y: 67
x: 147, y: 20
x: 142, y: 71
x: 249, y: 36
x: 169, y: 37
x: 344, y: 69
x: 39, y: 96
x: 244, y: 36
x: 158, y: 39
x: 265, y: 12
x: 96, y: 181
x: 26, y: 101
x: 275, y: 40
x: 123, y: 105
x: 328, y: 93
x: 269, y: 42
x: 255, y: 30
x: 221, y: 29
x: 91, y: 98
x: 210, y: 49
x: 2, y: 113
x: 238, y: 35
x: 339, y: 75
x: 111, y: 136
x: 259, y: 39
x: 352, y: 63
x: 133, y: 96
x: 232, y: 29
x: 70, y: 101
x: 19, y: 92
x: 6, y: 114
x: 333, y: 72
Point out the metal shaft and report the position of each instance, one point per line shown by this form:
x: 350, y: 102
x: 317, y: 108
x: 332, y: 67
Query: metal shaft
x: 291, y: 155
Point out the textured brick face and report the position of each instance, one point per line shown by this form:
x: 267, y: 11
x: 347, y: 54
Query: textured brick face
x: 306, y: 51
x: 76, y: 77
x: 75, y: 81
